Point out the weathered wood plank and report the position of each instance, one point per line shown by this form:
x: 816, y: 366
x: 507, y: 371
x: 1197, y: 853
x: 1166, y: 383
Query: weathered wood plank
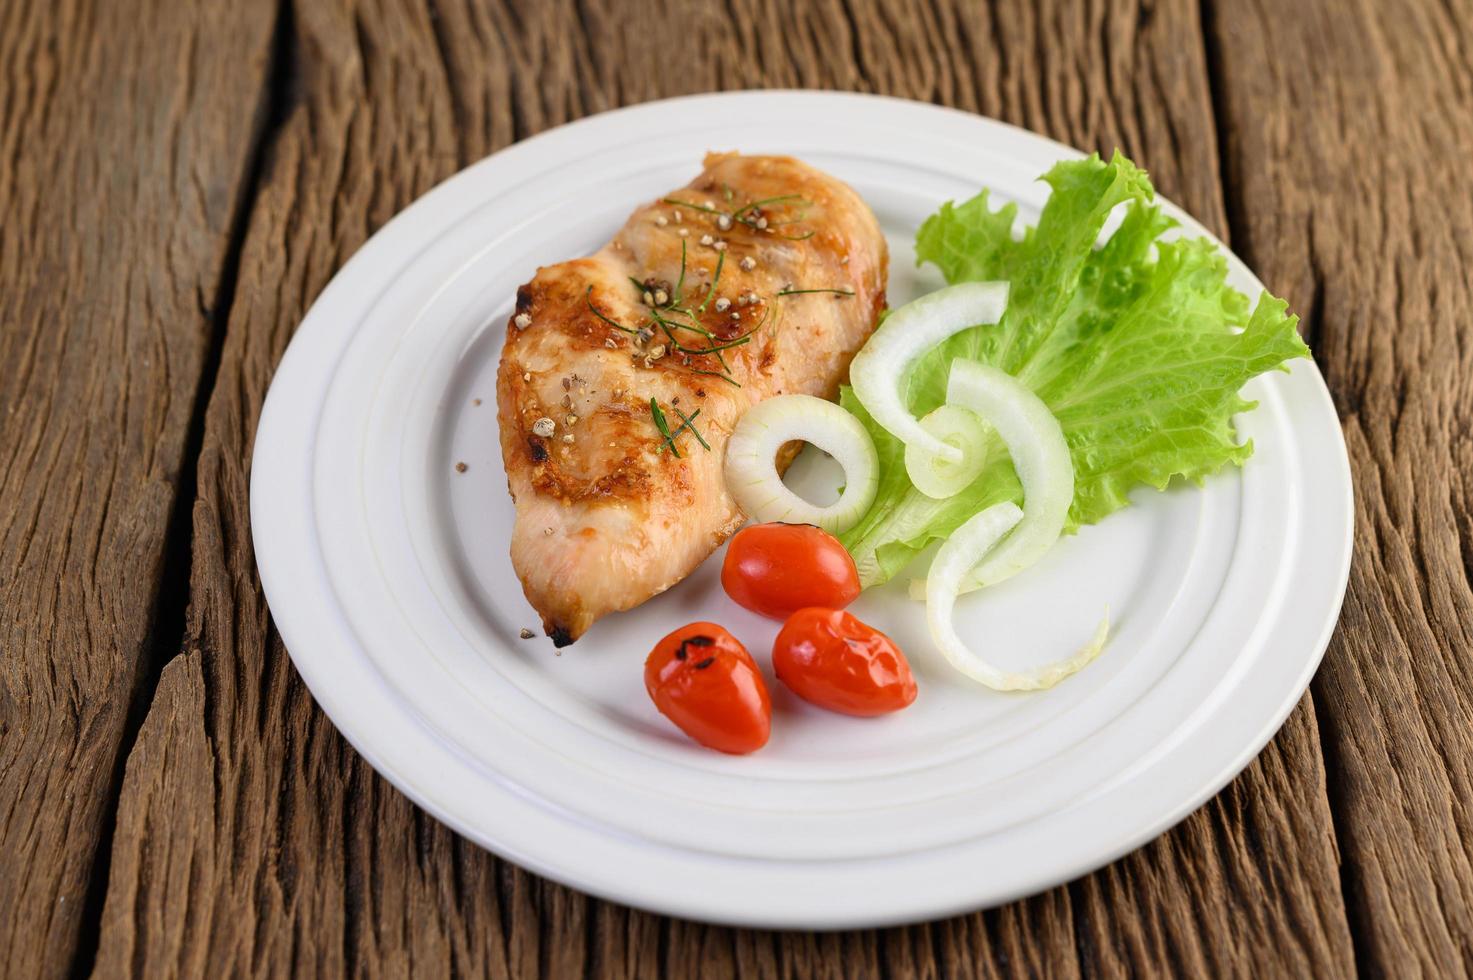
x: 126, y: 131
x: 1349, y: 127
x: 288, y: 854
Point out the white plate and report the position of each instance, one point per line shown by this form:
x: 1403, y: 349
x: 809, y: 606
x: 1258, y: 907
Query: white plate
x: 388, y: 576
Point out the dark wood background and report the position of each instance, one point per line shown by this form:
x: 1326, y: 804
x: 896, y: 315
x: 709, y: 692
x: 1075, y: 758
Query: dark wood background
x: 179, y: 179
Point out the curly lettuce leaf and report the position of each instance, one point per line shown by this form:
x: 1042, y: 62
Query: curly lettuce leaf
x: 1139, y: 346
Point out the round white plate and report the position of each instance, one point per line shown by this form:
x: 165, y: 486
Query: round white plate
x: 388, y: 576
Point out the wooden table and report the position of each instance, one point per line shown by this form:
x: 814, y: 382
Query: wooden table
x: 178, y: 180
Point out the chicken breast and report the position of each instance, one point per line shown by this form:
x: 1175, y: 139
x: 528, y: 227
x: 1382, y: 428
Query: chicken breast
x: 763, y: 276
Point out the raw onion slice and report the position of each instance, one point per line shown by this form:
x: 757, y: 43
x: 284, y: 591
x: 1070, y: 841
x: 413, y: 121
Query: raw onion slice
x: 751, y: 461
x: 880, y: 366
x: 940, y: 478
x: 1040, y: 456
x: 962, y: 551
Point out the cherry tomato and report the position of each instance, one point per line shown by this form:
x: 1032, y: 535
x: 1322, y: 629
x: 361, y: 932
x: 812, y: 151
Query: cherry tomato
x: 830, y: 658
x: 704, y: 680
x: 776, y: 569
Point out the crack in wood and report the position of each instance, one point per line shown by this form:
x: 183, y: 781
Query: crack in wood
x: 167, y: 633
x: 1233, y: 205
x: 119, y: 166
x: 1238, y: 239
x: 1350, y: 891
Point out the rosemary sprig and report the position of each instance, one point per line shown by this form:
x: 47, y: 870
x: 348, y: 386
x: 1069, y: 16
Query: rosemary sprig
x: 693, y: 327
x: 588, y: 296
x: 711, y: 292
x: 674, y: 315
x: 679, y: 296
x: 737, y: 215
x: 714, y: 348
x: 668, y: 325
x: 741, y: 341
x: 696, y: 328
x: 685, y: 420
x: 688, y: 422
x: 717, y: 374
x: 799, y: 292
x: 663, y: 425
x: 744, y: 214
x: 692, y: 206
x: 715, y: 279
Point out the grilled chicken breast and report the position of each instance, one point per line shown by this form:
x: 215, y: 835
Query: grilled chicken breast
x: 763, y: 276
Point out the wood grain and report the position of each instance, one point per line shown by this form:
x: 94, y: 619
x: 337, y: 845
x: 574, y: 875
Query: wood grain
x: 1355, y: 200
x: 123, y: 159
x: 251, y: 839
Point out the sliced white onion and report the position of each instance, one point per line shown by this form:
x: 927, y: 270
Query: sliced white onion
x: 941, y: 478
x: 962, y: 551
x: 751, y: 461
x: 879, y: 368
x: 1040, y: 456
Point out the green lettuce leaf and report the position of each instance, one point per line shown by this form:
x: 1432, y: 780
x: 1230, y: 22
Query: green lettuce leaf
x: 1139, y: 346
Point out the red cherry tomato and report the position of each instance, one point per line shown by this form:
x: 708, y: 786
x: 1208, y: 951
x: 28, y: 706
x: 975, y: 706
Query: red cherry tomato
x: 704, y: 680
x: 776, y: 569
x: 830, y: 658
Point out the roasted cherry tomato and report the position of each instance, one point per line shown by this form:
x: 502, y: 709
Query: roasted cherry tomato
x: 776, y: 569
x: 704, y: 680
x: 832, y: 659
